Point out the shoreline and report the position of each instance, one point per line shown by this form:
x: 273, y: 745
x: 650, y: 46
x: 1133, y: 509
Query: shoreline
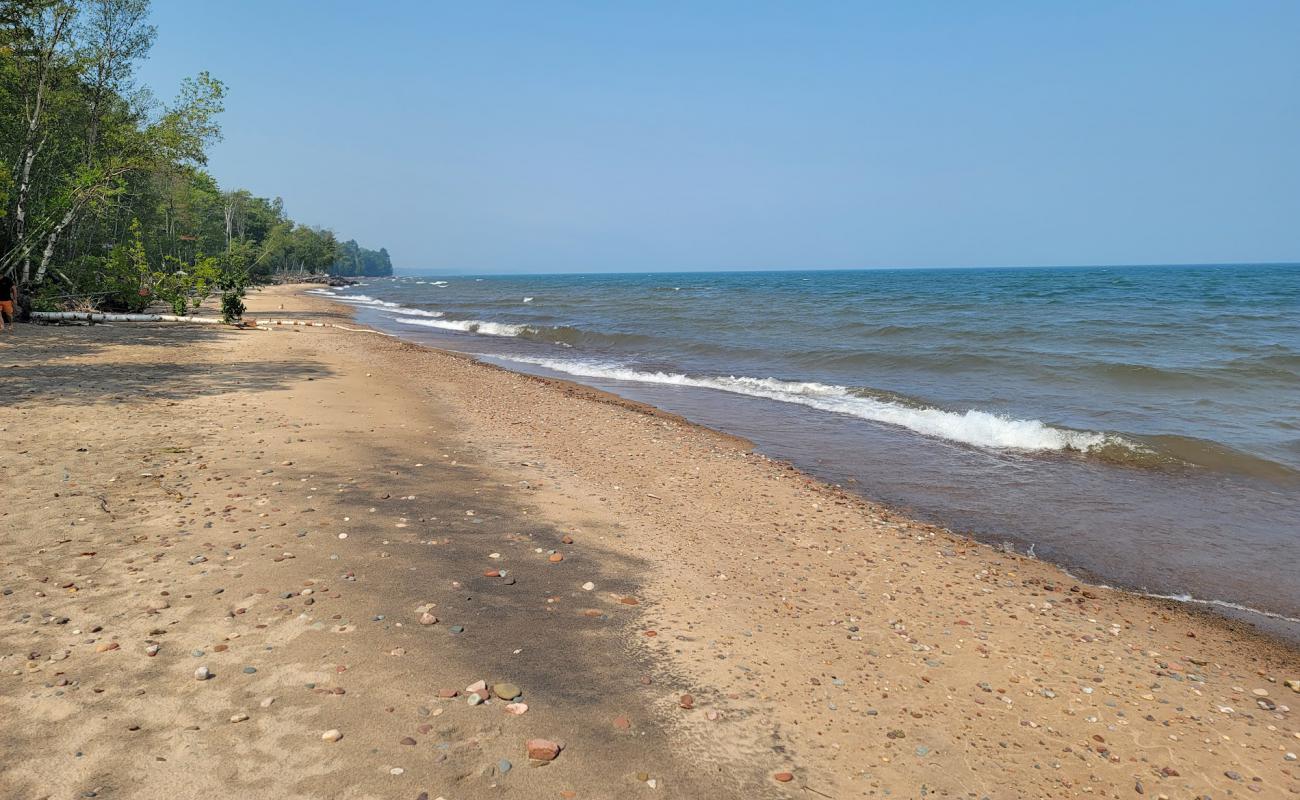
x: 1250, y: 620
x: 816, y: 633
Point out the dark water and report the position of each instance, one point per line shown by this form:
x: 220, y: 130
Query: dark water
x: 1138, y: 425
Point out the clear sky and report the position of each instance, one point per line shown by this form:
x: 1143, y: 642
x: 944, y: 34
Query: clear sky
x: 595, y: 136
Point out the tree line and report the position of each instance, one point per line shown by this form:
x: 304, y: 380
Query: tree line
x: 104, y: 195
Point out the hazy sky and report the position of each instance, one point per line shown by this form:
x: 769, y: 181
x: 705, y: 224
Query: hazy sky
x: 617, y: 136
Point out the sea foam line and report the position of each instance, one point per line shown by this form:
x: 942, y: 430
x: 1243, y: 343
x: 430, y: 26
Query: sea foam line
x: 374, y: 302
x: 469, y: 326
x: 973, y: 427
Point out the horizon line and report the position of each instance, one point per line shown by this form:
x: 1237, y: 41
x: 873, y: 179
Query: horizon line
x: 419, y: 271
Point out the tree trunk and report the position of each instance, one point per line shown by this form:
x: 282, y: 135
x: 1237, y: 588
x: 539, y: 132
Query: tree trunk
x: 52, y: 241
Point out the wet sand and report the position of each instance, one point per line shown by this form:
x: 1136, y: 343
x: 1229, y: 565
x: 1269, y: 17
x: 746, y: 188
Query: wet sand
x: 288, y: 507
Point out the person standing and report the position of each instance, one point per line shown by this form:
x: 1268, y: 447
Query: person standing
x: 8, y: 302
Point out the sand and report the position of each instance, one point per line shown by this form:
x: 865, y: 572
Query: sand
x: 683, y: 617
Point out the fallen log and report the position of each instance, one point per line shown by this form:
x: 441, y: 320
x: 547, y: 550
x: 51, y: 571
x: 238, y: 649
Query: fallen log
x: 261, y: 324
x: 96, y: 316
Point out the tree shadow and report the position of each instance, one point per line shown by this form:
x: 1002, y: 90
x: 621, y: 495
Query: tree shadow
x: 48, y: 366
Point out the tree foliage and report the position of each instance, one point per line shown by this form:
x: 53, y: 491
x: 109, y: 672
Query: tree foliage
x: 104, y: 196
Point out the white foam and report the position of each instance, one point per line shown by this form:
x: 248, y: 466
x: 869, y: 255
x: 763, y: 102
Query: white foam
x: 366, y: 300
x: 469, y: 326
x: 978, y: 428
x: 414, y: 312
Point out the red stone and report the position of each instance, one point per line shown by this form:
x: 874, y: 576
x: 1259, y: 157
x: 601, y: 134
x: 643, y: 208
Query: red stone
x: 783, y: 777
x: 686, y: 701
x: 542, y: 749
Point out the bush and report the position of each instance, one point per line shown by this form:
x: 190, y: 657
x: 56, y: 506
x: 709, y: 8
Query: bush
x: 232, y: 305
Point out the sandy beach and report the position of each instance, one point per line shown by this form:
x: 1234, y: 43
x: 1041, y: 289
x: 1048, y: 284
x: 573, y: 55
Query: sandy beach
x: 326, y: 563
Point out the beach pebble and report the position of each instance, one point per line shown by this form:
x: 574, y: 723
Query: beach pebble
x: 686, y: 701
x: 267, y: 702
x: 332, y: 735
x: 240, y: 717
x: 506, y: 691
x: 104, y: 647
x: 783, y: 777
x: 504, y: 766
x: 555, y: 558
x: 542, y: 749
x: 152, y: 650
x: 428, y: 619
x: 588, y: 586
x: 516, y: 708
x: 202, y: 674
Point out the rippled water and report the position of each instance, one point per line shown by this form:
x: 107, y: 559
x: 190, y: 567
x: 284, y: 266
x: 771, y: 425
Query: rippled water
x: 1139, y: 424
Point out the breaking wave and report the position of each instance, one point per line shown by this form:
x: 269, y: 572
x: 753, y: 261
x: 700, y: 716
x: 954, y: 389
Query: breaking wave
x: 469, y: 326
x: 973, y: 427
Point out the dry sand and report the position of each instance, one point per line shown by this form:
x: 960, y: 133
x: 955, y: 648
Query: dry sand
x: 284, y: 507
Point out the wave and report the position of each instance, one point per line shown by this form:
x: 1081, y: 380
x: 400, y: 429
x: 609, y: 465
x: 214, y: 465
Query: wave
x: 374, y: 302
x: 973, y: 427
x: 469, y: 326
x: 414, y: 312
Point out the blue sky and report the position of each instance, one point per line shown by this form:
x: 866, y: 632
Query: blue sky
x: 613, y: 136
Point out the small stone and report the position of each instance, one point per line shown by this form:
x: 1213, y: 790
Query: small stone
x: 491, y: 573
x: 332, y: 735
x: 104, y: 647
x: 588, y: 586
x: 250, y: 670
x: 267, y: 702
x: 476, y: 686
x: 686, y: 701
x: 506, y: 691
x: 152, y: 650
x: 556, y: 558
x: 457, y: 628
x: 240, y: 717
x: 622, y: 723
x: 504, y: 766
x: 407, y: 740
x: 542, y: 749
x: 202, y: 674
x: 783, y: 777
x: 428, y: 619
x: 516, y: 708
x: 474, y: 699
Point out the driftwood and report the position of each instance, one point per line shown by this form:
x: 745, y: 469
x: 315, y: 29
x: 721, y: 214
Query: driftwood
x: 262, y: 324
x: 95, y: 316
